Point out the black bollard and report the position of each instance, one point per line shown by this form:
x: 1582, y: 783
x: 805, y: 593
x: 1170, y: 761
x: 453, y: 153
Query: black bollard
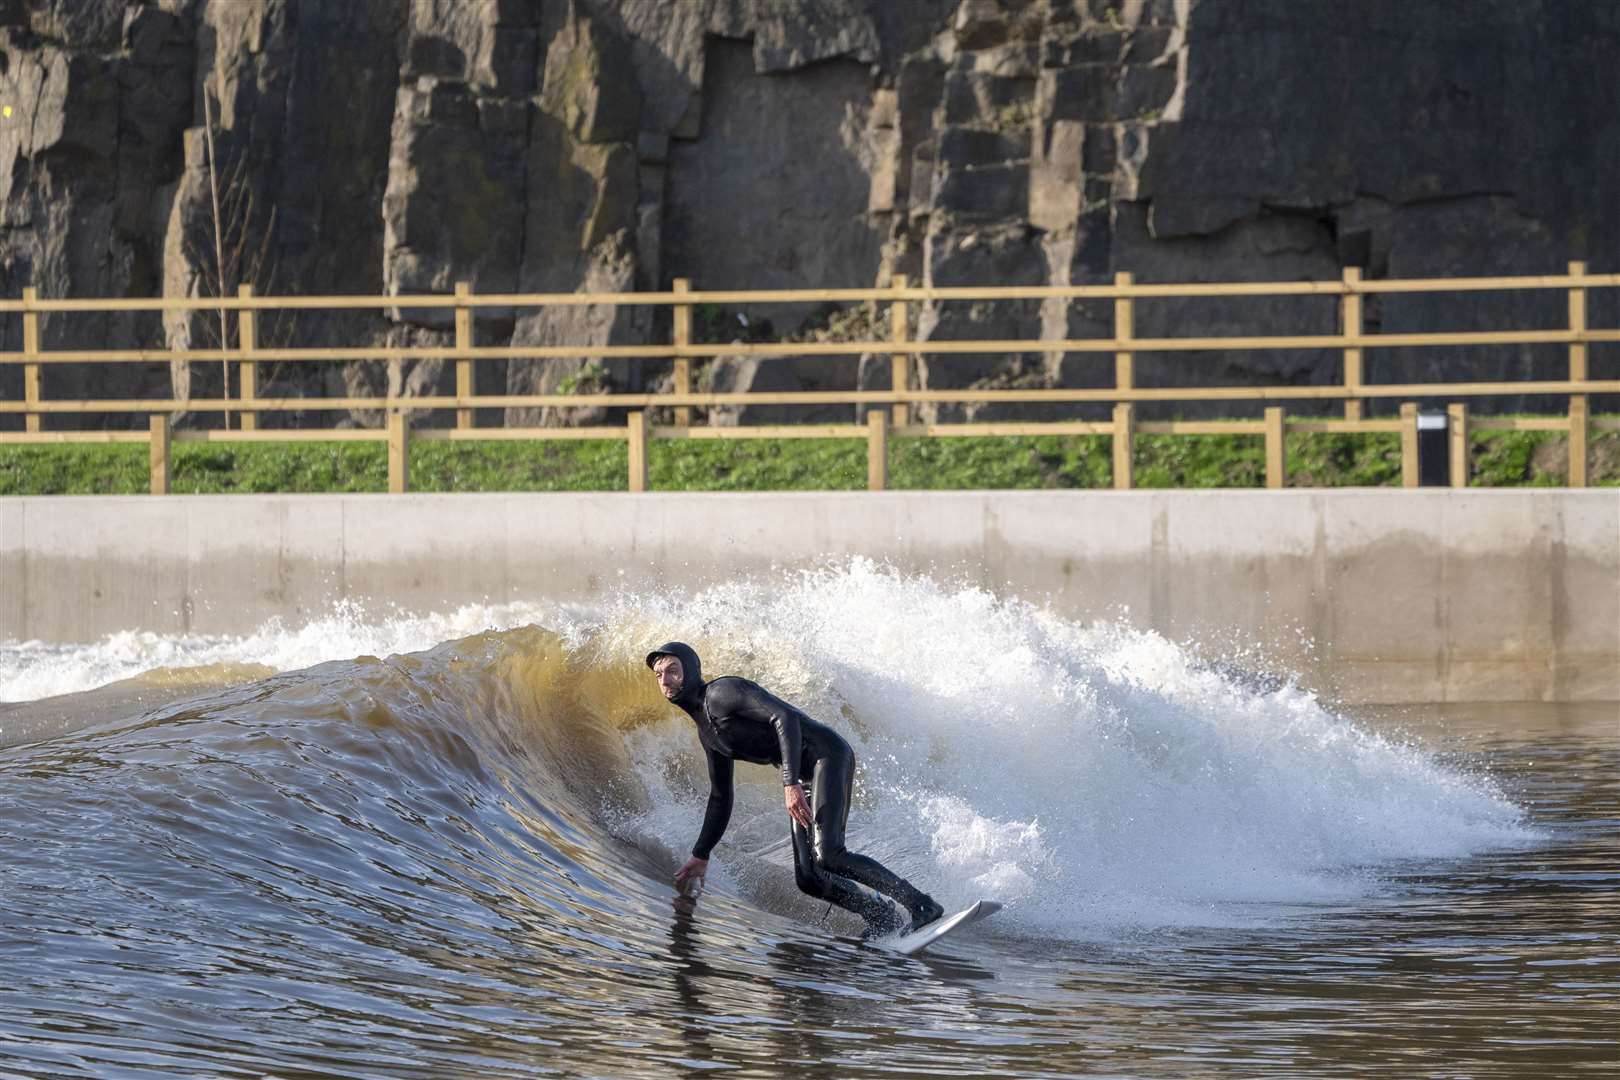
x: 1434, y: 450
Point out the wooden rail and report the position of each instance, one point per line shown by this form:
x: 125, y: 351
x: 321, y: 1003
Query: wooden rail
x: 889, y: 412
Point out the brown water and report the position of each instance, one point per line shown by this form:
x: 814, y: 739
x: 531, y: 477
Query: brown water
x: 453, y: 863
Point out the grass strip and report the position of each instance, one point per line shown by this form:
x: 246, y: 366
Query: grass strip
x: 958, y: 463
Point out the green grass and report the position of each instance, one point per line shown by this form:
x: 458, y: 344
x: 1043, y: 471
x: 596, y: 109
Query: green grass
x: 1513, y: 459
x: 757, y: 465
x: 117, y: 469
x: 1040, y: 461
x: 571, y: 465
x: 1500, y: 459
x: 1322, y: 459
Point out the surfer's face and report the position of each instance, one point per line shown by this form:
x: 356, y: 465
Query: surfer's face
x: 670, y: 675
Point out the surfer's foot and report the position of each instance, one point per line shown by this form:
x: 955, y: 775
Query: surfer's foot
x: 923, y: 911
x: 883, y: 919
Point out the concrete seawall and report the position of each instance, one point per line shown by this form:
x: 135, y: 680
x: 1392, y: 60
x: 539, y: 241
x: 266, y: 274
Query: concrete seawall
x: 1370, y: 595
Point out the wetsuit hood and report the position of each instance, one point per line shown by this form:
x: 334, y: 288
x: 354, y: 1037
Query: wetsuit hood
x: 691, y: 670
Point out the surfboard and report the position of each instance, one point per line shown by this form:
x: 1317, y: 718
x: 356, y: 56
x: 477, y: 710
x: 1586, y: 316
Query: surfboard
x: 918, y: 940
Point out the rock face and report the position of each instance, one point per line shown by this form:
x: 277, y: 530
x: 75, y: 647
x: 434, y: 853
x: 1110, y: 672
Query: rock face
x: 390, y: 147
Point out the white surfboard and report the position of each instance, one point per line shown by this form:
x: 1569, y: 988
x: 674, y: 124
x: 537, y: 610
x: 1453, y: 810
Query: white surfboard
x: 919, y: 940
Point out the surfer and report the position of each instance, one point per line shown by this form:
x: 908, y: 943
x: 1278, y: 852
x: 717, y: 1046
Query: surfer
x: 738, y: 719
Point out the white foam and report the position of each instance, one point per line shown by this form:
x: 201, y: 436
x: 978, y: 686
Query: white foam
x: 31, y: 670
x: 1092, y: 775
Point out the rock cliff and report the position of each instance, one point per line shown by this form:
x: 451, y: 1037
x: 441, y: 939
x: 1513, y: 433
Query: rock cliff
x: 401, y: 146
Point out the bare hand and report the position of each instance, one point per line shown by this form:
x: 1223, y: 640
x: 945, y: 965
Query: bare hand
x: 798, y: 807
x: 690, y: 876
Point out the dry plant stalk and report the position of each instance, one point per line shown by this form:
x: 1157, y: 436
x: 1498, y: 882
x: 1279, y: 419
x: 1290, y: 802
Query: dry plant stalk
x: 236, y: 258
x: 219, y: 242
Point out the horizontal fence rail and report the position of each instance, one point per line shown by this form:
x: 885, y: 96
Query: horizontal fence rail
x: 890, y: 413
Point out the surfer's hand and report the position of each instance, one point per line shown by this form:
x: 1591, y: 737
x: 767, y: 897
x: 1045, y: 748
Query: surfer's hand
x: 798, y: 807
x: 693, y: 868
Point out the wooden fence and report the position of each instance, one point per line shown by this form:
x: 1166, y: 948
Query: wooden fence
x: 896, y: 420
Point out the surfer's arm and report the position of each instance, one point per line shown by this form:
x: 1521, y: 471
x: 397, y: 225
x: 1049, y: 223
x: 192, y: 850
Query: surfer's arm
x: 717, y: 815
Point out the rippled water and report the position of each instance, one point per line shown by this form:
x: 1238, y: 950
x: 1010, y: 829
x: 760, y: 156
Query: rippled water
x: 454, y: 861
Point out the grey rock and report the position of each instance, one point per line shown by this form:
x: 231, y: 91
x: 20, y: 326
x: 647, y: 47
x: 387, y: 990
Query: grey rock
x: 884, y: 141
x: 492, y: 44
x: 579, y: 195
x: 652, y: 146
x: 377, y: 145
x: 74, y: 24
x: 1286, y: 111
x: 454, y: 207
x: 668, y: 45
x: 1130, y: 14
x: 586, y: 84
x: 402, y: 378
x: 611, y: 267
x: 800, y: 138
x: 1099, y: 153
x: 1087, y: 92
x: 791, y: 36
x: 1092, y: 258
x: 1098, y: 45
x: 1017, y: 59
x: 980, y: 24
x: 908, y: 31
x: 993, y: 101
x: 779, y: 374
x: 666, y: 51
x: 507, y: 64
x: 1056, y: 186
x: 1471, y: 235
x: 1144, y: 91
x: 975, y: 146
x: 1148, y: 44
x: 1269, y: 247
x: 981, y: 192
x: 1007, y: 255
x: 917, y: 88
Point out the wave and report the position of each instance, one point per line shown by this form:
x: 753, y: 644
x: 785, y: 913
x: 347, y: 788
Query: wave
x: 1094, y: 777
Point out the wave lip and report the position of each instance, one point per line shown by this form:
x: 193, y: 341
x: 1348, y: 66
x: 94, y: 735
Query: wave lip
x: 31, y: 670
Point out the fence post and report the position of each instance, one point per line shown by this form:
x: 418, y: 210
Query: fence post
x: 160, y: 455
x: 399, y: 452
x: 1457, y: 426
x: 1577, y: 373
x: 31, y: 348
x: 247, y: 341
x: 1409, y: 445
x: 464, y: 364
x: 1350, y: 316
x: 1124, y: 444
x: 637, y: 425
x: 899, y: 362
x: 1276, y: 460
x: 877, y: 450
x: 1124, y: 331
x: 683, y: 364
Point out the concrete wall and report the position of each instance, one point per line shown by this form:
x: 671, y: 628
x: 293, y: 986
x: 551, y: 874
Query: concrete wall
x: 1372, y: 595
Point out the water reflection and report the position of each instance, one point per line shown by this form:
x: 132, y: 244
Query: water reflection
x: 688, y: 971
x: 244, y: 888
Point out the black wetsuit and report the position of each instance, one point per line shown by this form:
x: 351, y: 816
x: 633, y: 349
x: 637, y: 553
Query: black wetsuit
x: 740, y: 720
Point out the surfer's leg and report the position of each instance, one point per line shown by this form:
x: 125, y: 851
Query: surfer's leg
x: 812, y: 879
x: 833, y: 787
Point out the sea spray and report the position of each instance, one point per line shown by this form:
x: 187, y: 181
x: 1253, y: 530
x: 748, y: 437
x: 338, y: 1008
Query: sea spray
x: 1093, y: 775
